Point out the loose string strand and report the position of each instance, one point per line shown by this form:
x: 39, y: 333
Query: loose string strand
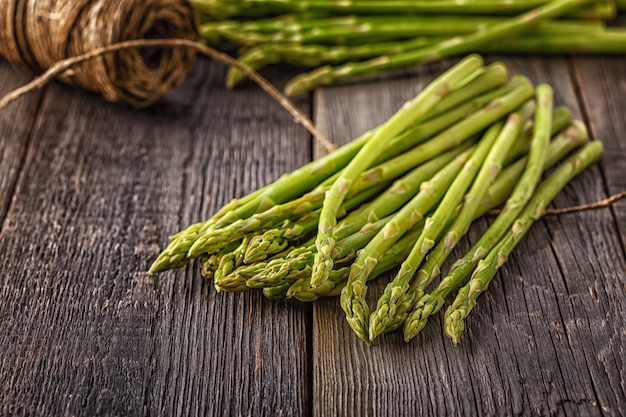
x: 60, y: 67
x: 607, y: 202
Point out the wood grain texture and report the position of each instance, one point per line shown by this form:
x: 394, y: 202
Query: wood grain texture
x: 603, y: 92
x: 532, y: 344
x: 16, y: 124
x: 86, y: 331
x: 91, y: 190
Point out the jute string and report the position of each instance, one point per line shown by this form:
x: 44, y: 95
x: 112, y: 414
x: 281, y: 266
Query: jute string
x: 129, y: 51
x: 36, y: 34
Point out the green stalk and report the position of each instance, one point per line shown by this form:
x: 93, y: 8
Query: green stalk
x: 223, y: 9
x: 431, y: 303
x: 465, y: 301
x: 608, y: 41
x: 359, y: 30
x: 473, y: 124
x: 302, y: 290
x: 455, y: 182
x: 410, y: 112
x: 262, y: 55
x: 572, y: 137
x: 453, y: 46
x: 480, y: 90
x: 394, y: 300
x: 561, y: 145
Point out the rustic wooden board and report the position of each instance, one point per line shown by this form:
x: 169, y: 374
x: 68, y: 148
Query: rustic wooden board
x: 603, y: 92
x: 16, y: 124
x: 86, y: 330
x: 90, y: 191
x: 528, y: 348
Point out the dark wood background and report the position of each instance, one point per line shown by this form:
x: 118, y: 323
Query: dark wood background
x: 90, y: 191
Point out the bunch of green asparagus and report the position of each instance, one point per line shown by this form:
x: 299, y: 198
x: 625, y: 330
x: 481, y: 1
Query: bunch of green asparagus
x: 401, y: 195
x: 350, y: 38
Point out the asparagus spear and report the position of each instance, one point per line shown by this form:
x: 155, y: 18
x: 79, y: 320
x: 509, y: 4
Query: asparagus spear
x: 487, y: 268
x: 481, y: 90
x: 560, y: 146
x: 447, y: 48
x: 430, y: 303
x: 496, y: 108
x: 236, y: 281
x: 410, y: 112
x: 356, y: 222
x: 230, y: 261
x: 353, y: 295
x: 223, y: 9
x: 359, y: 30
x: 608, y: 41
x: 211, y: 263
x: 572, y: 137
x: 394, y: 296
x: 302, y: 290
x: 262, y: 55
x: 476, y: 122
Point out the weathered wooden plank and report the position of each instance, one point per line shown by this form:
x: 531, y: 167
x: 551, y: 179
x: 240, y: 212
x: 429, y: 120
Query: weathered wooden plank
x: 541, y: 341
x: 603, y: 90
x: 86, y: 330
x: 14, y: 136
x: 602, y: 87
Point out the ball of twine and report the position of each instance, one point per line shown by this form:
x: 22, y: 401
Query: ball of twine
x: 36, y: 34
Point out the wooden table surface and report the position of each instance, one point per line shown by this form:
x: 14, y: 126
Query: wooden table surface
x: 90, y: 192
